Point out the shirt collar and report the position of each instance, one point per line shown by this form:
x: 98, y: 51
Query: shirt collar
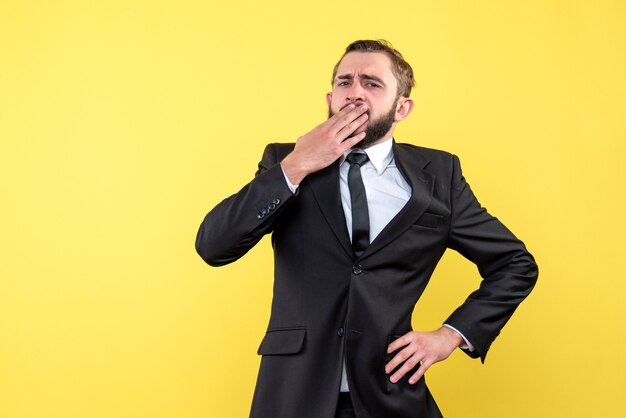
x: 380, y: 155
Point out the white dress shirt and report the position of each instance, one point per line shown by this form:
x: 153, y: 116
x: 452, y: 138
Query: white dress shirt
x: 386, y: 190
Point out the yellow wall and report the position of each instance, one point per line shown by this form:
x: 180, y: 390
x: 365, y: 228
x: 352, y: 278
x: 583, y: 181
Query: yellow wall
x: 115, y: 120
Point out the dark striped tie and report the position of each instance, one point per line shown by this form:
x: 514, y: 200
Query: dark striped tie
x: 360, y: 214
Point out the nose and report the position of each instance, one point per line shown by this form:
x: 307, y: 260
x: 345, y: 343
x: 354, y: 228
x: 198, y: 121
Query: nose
x: 355, y: 94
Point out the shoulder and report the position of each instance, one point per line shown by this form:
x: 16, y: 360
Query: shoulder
x: 274, y: 153
x: 432, y: 157
x: 278, y: 150
x: 282, y: 149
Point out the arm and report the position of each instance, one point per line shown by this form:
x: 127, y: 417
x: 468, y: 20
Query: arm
x: 235, y: 225
x: 508, y: 270
x: 509, y: 273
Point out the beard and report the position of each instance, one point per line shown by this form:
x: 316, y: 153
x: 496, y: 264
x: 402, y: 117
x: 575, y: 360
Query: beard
x: 376, y: 129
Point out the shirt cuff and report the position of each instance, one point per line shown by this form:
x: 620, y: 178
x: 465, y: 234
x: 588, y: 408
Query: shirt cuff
x: 467, y: 345
x: 293, y: 187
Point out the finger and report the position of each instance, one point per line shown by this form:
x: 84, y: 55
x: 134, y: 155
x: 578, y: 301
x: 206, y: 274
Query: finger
x: 406, y: 367
x: 352, y: 141
x: 420, y: 372
x: 341, y: 114
x: 398, y: 342
x: 352, y: 126
x: 399, y: 358
x: 346, y: 116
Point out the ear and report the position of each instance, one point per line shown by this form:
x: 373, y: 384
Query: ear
x: 403, y: 108
x: 329, y: 97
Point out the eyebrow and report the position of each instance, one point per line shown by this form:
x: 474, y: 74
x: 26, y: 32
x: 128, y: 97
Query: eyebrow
x: 365, y: 76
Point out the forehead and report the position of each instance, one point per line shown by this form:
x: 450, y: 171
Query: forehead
x: 374, y: 63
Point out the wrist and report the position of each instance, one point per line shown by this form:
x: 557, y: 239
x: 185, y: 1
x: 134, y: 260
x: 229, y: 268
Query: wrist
x: 294, y: 171
x: 451, y: 335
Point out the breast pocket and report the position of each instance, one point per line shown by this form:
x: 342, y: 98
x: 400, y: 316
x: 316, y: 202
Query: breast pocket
x: 429, y: 220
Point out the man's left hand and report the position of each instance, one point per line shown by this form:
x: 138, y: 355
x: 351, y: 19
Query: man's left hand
x: 427, y: 347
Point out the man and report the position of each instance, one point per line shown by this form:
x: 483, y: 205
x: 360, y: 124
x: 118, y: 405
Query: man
x: 358, y: 225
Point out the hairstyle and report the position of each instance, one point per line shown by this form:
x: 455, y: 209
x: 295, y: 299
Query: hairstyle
x: 400, y: 68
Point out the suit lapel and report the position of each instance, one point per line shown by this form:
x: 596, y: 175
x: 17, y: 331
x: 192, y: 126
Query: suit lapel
x: 411, y: 164
x: 325, y: 187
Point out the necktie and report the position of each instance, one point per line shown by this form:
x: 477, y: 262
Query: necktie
x: 360, y: 214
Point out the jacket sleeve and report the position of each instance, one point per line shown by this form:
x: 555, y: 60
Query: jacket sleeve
x: 236, y: 224
x: 508, y: 270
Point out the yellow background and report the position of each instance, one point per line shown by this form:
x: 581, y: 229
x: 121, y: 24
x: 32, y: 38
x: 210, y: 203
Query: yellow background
x: 123, y: 122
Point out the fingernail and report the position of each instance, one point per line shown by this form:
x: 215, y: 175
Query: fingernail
x: 411, y: 381
x: 387, y: 370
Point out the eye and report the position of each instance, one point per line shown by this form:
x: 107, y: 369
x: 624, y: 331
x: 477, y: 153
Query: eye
x: 372, y: 85
x: 342, y: 83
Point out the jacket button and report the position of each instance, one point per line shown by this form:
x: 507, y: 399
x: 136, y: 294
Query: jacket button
x: 357, y: 269
x: 340, y: 331
x: 276, y: 201
x: 272, y: 206
x: 265, y: 211
x: 260, y: 215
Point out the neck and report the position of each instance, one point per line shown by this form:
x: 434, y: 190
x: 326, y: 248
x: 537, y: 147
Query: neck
x: 388, y: 136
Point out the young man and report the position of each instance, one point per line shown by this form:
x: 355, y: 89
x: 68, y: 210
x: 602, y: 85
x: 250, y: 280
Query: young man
x: 358, y: 224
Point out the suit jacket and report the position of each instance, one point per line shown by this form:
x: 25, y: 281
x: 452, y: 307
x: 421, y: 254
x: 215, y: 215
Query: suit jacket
x: 329, y: 305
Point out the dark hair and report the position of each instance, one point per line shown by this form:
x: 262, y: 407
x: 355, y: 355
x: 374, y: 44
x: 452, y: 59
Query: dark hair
x: 400, y: 68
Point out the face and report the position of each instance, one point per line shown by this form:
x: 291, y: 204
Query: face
x: 366, y: 77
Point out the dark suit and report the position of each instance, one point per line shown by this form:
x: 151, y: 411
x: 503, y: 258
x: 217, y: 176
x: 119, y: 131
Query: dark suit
x: 327, y: 304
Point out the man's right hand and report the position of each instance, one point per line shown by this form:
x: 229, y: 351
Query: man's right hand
x: 325, y: 143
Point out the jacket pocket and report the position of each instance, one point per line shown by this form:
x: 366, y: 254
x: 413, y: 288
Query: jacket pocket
x: 282, y: 341
x: 429, y: 220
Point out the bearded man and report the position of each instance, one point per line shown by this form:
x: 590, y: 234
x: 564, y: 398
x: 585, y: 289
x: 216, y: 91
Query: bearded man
x: 359, y: 222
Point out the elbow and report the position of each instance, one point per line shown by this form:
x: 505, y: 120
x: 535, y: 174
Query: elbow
x: 529, y: 273
x: 208, y: 256
x: 529, y: 270
x: 533, y: 269
x: 209, y: 249
x: 535, y: 272
x: 212, y: 257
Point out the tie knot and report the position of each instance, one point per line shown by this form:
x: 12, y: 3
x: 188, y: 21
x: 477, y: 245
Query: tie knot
x: 358, y: 158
